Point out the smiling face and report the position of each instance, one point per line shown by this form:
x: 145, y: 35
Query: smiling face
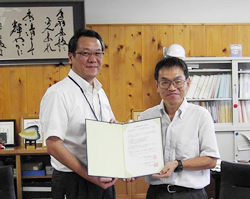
x: 172, y: 96
x: 86, y: 66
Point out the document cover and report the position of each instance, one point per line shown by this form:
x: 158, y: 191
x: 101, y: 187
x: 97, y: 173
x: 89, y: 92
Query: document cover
x: 124, y: 150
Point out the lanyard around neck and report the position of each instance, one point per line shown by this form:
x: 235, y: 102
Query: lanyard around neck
x: 88, y: 100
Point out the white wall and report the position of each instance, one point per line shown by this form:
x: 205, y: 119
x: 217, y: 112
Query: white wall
x: 166, y: 11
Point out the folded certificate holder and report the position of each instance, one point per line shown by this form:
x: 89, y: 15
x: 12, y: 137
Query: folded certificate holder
x: 124, y: 150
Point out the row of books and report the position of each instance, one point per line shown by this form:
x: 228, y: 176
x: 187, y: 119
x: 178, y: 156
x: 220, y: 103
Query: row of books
x: 210, y: 86
x: 244, y: 85
x: 221, y: 111
x: 244, y: 111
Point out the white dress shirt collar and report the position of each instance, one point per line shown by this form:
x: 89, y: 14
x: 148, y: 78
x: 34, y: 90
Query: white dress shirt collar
x: 84, y: 84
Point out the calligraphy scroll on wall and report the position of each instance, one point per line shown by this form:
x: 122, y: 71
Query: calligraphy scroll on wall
x: 35, y: 32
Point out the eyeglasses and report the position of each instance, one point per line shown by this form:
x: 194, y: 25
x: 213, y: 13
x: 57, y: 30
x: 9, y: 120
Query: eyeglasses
x: 176, y: 83
x: 88, y: 54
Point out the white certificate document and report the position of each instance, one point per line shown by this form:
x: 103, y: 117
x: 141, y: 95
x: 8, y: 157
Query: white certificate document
x: 124, y: 150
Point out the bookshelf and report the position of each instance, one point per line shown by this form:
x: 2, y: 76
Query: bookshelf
x: 244, y: 92
x: 19, y: 154
x: 227, y: 98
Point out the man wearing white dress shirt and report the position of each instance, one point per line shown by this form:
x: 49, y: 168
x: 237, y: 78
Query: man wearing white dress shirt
x: 189, y: 143
x: 63, y: 111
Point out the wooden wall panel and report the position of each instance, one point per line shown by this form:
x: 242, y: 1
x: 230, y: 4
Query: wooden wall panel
x: 50, y: 76
x: 229, y: 35
x: 133, y: 69
x: 18, y: 87
x: 5, y: 93
x: 104, y: 74
x: 139, y: 188
x: 117, y: 71
x: 182, y: 37
x: 34, y: 92
x: 131, y: 54
x: 165, y: 35
x: 244, y: 39
x: 152, y: 53
x: 197, y: 41
x: 17, y: 95
x: 213, y: 41
x: 123, y: 189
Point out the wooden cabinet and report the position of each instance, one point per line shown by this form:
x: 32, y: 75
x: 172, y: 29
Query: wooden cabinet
x: 134, y: 190
x: 18, y: 153
x: 131, y: 190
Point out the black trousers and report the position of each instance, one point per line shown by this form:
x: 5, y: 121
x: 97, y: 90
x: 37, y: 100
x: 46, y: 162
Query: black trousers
x: 156, y: 192
x: 69, y: 185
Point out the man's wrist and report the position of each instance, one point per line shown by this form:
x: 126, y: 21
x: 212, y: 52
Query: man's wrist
x: 179, y: 167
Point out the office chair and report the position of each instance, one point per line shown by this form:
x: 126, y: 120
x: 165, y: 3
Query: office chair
x: 235, y: 180
x: 7, y: 188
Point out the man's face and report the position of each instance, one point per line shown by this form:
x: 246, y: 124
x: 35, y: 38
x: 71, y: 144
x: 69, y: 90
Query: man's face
x: 172, y: 96
x: 89, y: 62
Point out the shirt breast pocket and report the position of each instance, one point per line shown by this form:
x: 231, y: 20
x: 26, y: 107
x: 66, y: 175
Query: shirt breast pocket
x: 187, y: 148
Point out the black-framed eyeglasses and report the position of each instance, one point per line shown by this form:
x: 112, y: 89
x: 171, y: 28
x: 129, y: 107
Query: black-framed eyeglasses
x: 178, y: 83
x: 98, y: 54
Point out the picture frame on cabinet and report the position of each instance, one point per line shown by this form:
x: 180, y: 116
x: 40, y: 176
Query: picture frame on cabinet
x: 38, y: 32
x: 27, y: 121
x: 8, y: 132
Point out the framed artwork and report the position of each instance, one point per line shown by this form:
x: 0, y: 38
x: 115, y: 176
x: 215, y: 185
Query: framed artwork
x: 8, y: 132
x: 27, y: 121
x: 37, y: 32
x: 136, y: 114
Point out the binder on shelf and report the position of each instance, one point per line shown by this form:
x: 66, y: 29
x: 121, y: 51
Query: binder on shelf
x: 199, y: 87
x: 208, y: 87
x: 217, y: 89
x: 244, y: 112
x: 248, y: 109
x: 204, y: 86
x: 240, y: 112
x: 241, y: 86
x: 228, y: 86
x: 245, y: 80
x: 222, y: 87
x: 244, y: 87
x: 192, y: 87
x: 247, y: 85
x: 213, y: 86
x: 230, y: 112
x: 246, y: 119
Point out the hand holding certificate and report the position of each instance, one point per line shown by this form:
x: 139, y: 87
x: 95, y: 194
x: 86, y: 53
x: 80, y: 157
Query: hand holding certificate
x: 124, y: 150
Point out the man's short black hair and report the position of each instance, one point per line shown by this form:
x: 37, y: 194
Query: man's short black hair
x: 82, y: 32
x: 169, y: 62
